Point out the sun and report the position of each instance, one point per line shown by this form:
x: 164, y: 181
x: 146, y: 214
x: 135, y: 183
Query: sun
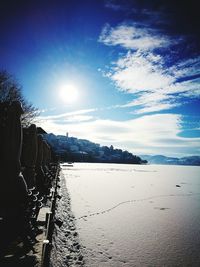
x: 69, y: 93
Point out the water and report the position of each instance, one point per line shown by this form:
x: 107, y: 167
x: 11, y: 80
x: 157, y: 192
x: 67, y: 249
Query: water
x: 135, y: 215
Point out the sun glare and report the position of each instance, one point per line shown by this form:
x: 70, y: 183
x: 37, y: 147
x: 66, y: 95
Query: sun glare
x: 69, y: 93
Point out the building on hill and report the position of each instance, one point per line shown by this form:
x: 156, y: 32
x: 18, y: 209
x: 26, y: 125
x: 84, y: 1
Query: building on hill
x: 74, y: 149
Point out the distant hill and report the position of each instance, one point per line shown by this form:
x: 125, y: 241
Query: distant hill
x: 160, y: 159
x: 74, y: 149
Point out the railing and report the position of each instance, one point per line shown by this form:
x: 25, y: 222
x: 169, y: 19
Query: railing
x: 28, y: 172
x: 47, y: 242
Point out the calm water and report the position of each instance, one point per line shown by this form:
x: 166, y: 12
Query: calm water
x: 133, y: 215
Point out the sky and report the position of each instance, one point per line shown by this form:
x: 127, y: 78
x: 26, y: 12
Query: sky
x: 122, y: 73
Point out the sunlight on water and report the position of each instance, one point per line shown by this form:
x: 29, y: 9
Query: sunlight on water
x: 135, y: 215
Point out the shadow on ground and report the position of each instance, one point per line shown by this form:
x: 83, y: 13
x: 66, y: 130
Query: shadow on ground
x: 16, y: 261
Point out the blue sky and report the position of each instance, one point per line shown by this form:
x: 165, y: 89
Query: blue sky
x: 135, y: 67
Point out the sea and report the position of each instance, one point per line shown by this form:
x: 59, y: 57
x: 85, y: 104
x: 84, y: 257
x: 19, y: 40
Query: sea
x: 136, y: 215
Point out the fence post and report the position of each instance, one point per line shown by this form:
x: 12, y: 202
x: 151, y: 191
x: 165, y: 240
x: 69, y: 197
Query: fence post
x: 29, y: 154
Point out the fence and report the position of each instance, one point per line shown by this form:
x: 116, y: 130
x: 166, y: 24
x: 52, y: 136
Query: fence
x: 47, y: 243
x: 29, y: 177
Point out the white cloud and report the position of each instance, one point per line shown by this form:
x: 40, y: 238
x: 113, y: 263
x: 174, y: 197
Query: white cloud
x: 137, y: 72
x: 152, y: 102
x: 78, y: 118
x: 148, y: 99
x: 148, y: 108
x: 144, y: 74
x: 187, y: 67
x: 193, y: 88
x: 150, y: 134
x: 154, y: 87
x: 133, y: 37
x: 68, y: 115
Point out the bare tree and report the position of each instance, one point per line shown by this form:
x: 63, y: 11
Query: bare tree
x: 11, y: 91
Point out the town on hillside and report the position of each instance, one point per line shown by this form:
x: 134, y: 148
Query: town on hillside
x: 81, y: 150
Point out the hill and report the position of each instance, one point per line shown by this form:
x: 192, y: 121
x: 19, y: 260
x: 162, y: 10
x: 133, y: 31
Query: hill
x: 74, y: 149
x: 160, y: 159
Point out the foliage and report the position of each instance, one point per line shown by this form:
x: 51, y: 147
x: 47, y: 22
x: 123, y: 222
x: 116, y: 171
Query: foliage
x: 11, y: 91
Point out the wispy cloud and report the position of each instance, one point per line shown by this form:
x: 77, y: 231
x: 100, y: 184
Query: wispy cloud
x: 133, y: 37
x: 69, y: 115
x: 188, y: 67
x: 46, y: 110
x: 113, y: 5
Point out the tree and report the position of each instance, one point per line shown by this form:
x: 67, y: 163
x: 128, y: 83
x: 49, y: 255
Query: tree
x: 11, y: 91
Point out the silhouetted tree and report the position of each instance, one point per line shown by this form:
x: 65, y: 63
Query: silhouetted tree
x: 11, y: 91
